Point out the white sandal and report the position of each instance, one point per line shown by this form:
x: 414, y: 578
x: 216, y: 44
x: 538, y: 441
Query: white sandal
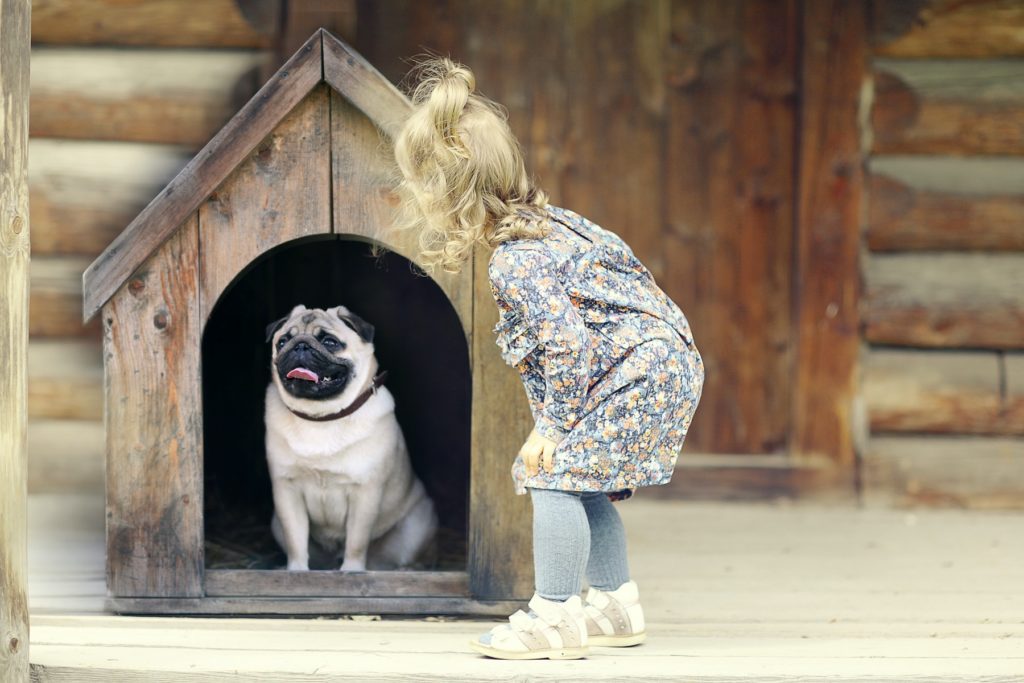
x: 615, y: 618
x: 552, y: 630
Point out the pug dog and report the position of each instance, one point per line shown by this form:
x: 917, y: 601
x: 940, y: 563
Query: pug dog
x: 339, y: 469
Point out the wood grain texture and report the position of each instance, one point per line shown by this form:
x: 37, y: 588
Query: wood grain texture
x: 755, y: 477
x: 335, y: 584
x: 364, y: 201
x: 945, y: 300
x: 65, y: 456
x: 15, y: 19
x: 828, y: 230
x: 204, y: 172
x: 163, y: 23
x: 949, y: 392
x: 299, y: 19
x: 279, y: 193
x: 729, y: 212
x: 65, y: 379
x: 152, y: 331
x: 56, y: 299
x: 783, y: 592
x: 360, y: 83
x: 630, y: 113
x: 904, y: 218
x: 969, y: 472
x: 948, y: 28
x: 500, y: 522
x: 82, y: 194
x: 955, y: 107
x: 144, y: 95
x: 1013, y: 387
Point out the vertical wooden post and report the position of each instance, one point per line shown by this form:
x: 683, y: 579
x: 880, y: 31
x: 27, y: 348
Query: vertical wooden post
x: 828, y: 229
x: 14, y: 254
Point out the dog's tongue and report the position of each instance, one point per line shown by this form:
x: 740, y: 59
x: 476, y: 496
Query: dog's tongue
x: 303, y: 373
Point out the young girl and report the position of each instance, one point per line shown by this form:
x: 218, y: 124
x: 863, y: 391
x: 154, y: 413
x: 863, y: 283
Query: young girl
x: 607, y: 359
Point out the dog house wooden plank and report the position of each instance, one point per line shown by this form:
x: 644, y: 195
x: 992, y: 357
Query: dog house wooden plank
x: 279, y: 193
x: 348, y: 72
x: 364, y: 202
x: 500, y: 522
x: 330, y: 606
x: 152, y: 331
x: 263, y: 583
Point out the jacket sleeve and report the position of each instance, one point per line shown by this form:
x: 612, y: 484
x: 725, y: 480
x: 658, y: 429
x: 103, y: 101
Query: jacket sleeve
x: 525, y: 278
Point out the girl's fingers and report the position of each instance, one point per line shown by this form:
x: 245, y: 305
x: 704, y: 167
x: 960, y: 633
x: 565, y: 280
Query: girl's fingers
x: 531, y: 460
x: 548, y: 461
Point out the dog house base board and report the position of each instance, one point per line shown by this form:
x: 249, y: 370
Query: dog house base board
x: 313, y: 606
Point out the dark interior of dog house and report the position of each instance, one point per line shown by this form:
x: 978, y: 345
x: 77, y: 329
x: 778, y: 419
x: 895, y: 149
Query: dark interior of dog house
x: 418, y: 339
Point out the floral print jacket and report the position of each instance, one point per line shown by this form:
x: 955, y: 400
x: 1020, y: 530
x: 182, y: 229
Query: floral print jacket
x: 553, y: 292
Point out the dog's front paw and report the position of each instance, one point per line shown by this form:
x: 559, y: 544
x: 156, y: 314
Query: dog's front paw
x: 353, y: 566
x: 298, y: 566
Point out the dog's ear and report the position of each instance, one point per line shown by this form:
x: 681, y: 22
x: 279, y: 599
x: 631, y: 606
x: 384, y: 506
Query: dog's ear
x: 358, y: 325
x: 273, y: 327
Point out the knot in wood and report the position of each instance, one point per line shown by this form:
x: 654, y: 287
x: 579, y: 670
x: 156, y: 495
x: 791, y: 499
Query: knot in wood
x: 14, y: 644
x: 161, y: 320
x: 136, y: 285
x: 17, y: 225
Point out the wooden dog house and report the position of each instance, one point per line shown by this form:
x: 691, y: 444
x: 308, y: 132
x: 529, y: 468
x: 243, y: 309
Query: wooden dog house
x: 278, y: 209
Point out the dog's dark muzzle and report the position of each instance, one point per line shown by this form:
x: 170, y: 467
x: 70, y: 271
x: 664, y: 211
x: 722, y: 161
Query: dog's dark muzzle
x: 306, y: 370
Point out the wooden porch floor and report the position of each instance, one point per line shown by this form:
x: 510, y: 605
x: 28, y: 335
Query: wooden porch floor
x: 738, y: 592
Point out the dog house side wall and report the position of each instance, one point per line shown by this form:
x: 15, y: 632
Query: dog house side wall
x: 151, y: 334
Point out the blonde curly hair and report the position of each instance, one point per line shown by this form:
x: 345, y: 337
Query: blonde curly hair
x: 462, y: 178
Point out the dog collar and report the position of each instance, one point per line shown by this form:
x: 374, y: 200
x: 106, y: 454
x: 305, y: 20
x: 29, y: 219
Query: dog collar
x: 353, y: 407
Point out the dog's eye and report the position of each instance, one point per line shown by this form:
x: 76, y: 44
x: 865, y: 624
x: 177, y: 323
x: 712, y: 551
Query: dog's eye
x: 331, y: 343
x: 281, y: 342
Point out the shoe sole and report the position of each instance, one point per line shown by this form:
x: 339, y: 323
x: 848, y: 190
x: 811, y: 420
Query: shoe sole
x: 617, y: 641
x: 559, y: 653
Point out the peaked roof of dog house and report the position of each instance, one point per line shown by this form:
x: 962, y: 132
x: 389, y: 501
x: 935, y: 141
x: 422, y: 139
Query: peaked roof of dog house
x: 323, y: 58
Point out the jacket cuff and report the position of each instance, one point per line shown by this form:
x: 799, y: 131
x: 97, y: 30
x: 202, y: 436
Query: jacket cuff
x: 549, y: 429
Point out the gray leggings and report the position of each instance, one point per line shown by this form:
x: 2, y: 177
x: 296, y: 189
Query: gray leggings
x: 576, y: 534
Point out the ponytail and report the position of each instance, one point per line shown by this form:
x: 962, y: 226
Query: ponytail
x: 462, y: 175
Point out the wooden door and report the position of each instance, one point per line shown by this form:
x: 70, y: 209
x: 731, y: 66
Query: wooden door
x: 699, y: 131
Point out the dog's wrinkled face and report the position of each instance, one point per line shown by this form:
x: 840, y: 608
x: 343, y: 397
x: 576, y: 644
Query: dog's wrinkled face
x: 318, y: 353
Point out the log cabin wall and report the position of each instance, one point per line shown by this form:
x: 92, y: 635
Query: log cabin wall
x: 944, y: 268
x: 123, y: 94
x: 678, y: 124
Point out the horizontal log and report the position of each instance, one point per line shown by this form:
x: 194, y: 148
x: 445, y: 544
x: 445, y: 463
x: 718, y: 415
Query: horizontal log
x: 901, y: 218
x: 971, y: 176
x: 164, y: 23
x: 960, y: 471
x: 55, y: 298
x: 958, y: 107
x: 1013, y: 381
x: 949, y: 28
x: 65, y: 379
x: 65, y: 456
x: 83, y: 194
x: 166, y: 96
x: 938, y: 392
x: 945, y: 300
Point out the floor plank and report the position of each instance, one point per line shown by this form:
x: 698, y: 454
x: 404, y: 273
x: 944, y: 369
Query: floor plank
x: 747, y: 592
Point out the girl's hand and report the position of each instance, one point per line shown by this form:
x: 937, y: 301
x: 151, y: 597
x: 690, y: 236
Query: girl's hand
x: 538, y: 451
